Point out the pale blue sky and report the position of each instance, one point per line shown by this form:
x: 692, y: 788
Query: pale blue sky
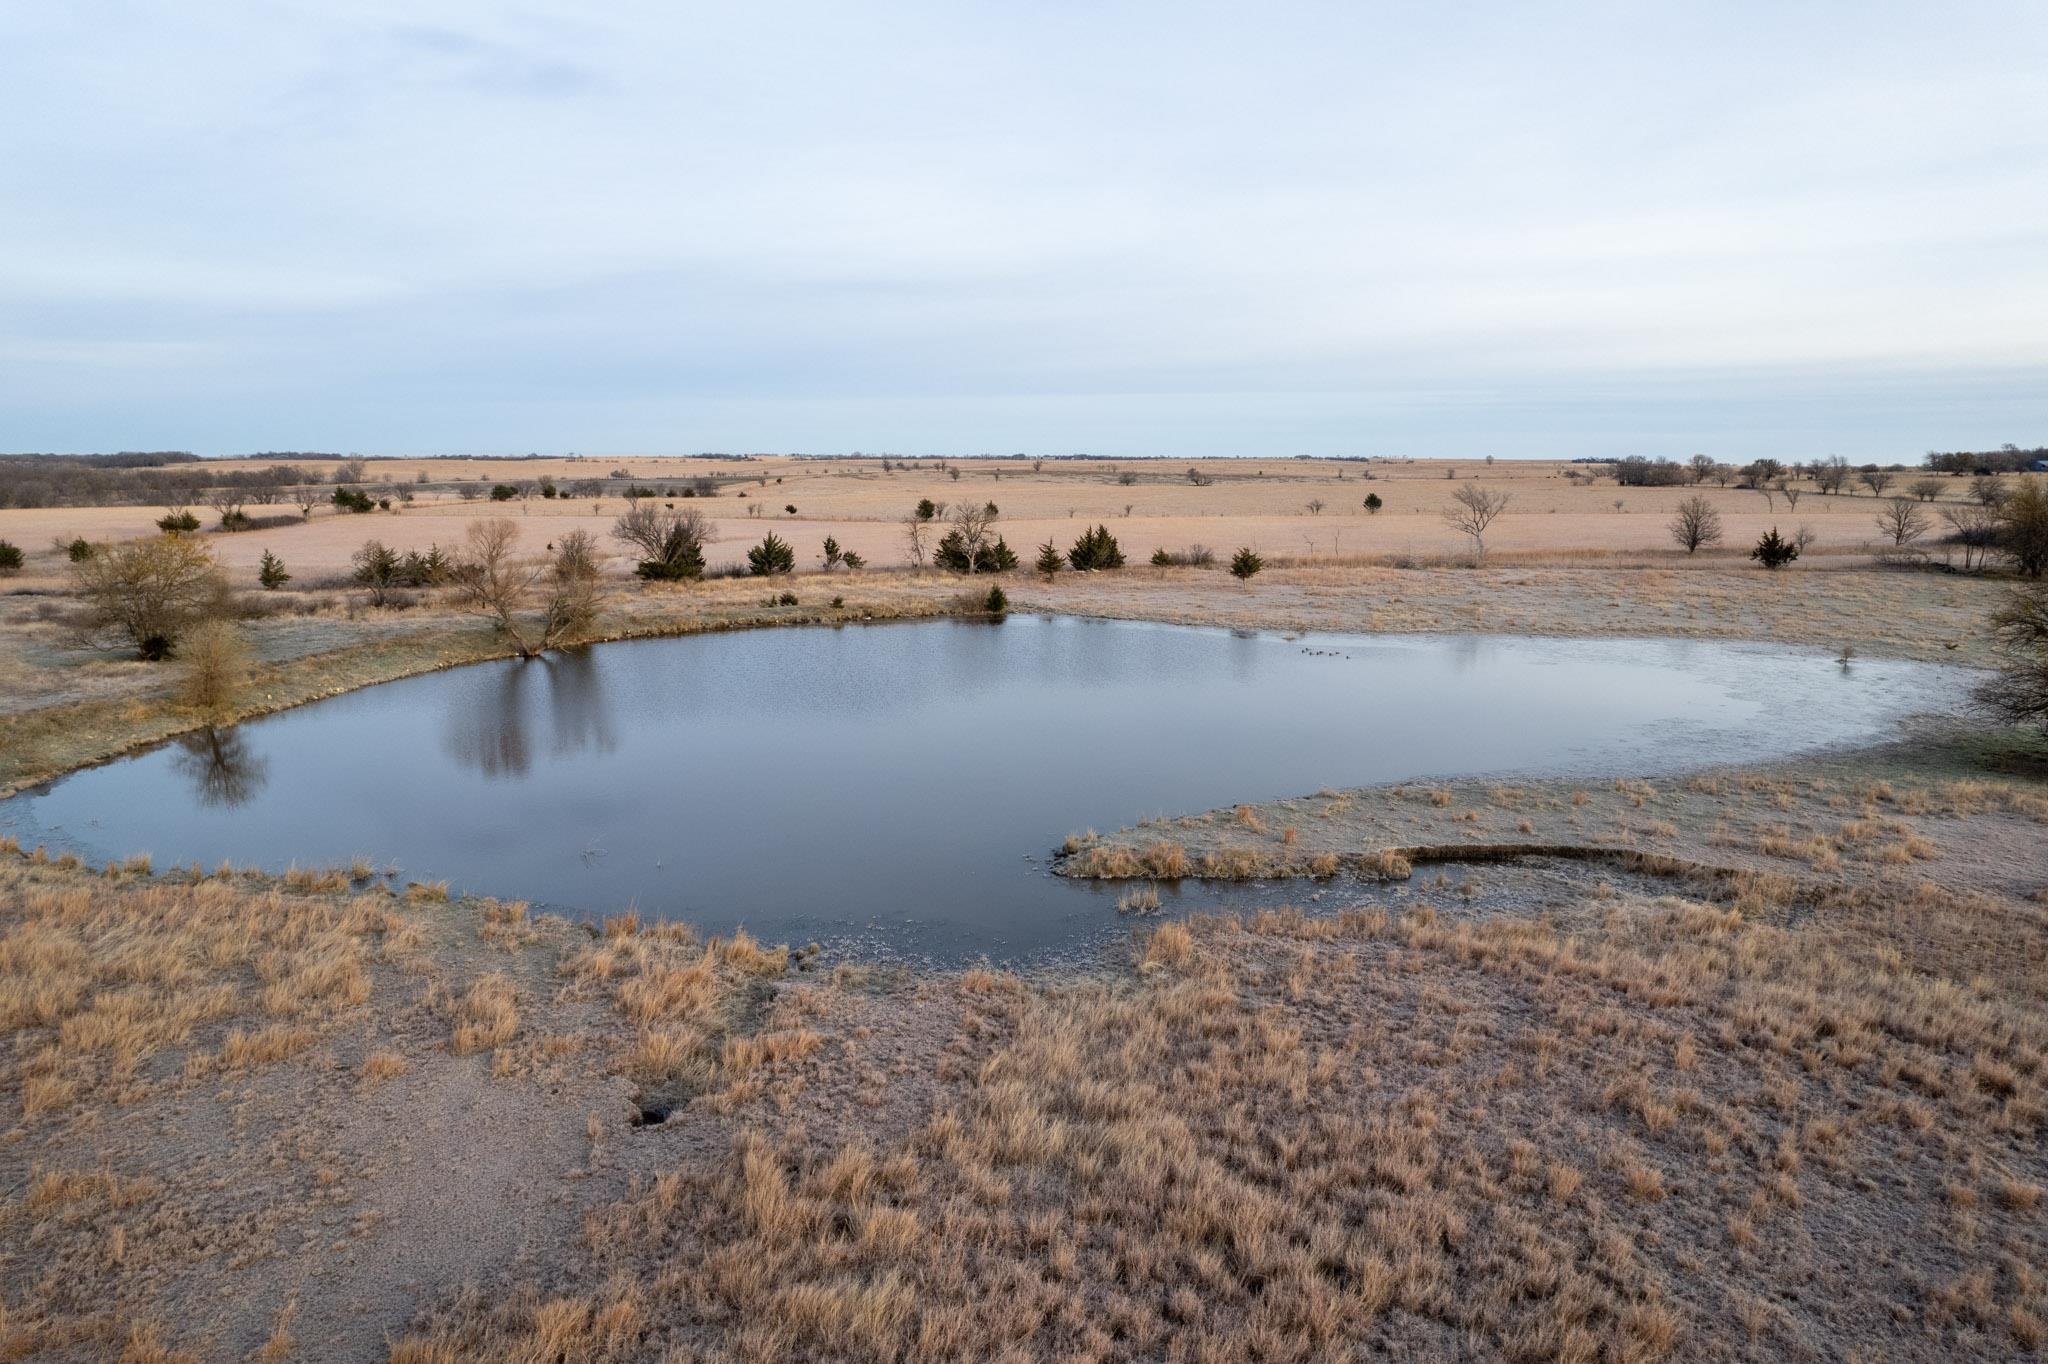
x: 1130, y: 229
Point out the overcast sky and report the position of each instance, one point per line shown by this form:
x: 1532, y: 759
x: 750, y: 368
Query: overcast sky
x: 1121, y: 228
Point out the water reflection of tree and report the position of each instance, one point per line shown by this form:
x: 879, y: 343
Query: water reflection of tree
x: 491, y: 733
x: 576, y: 704
x: 223, y: 771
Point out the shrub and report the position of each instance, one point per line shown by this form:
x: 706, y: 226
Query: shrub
x: 1373, y: 502
x: 927, y: 510
x: 952, y: 555
x: 833, y: 554
x: 377, y: 568
x: 10, y: 557
x: 790, y: 508
x: 1096, y: 549
x: 1774, y: 551
x: 1050, y: 560
x: 503, y: 492
x: 786, y: 599
x: 177, y: 523
x: 1161, y: 559
x: 79, y: 550
x: 671, y: 543
x: 852, y: 560
x: 1244, y: 564
x: 352, y: 500
x: 432, y: 568
x: 149, y: 592
x: 773, y: 555
x: 996, y: 603
x: 271, y: 572
x: 216, y: 666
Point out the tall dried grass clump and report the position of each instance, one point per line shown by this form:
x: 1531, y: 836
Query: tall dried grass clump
x: 216, y: 667
x: 1158, y: 861
x: 485, y: 1016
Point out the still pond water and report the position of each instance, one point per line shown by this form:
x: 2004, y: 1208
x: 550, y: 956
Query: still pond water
x: 901, y: 787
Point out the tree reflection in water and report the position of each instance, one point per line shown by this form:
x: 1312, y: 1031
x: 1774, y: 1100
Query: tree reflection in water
x: 495, y: 737
x: 223, y: 772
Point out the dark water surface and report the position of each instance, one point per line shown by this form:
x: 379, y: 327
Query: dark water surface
x: 904, y: 784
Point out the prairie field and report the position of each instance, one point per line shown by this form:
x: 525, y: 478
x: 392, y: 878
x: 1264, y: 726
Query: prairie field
x: 1736, y: 1064
x: 1557, y: 512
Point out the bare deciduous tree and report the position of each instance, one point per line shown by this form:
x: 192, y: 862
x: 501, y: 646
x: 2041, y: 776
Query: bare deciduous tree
x: 671, y: 543
x: 913, y: 530
x: 307, y: 497
x: 1696, y: 524
x: 972, y: 524
x: 1791, y: 494
x: 2019, y: 631
x: 508, y: 589
x: 228, y: 502
x: 1472, y: 510
x: 1903, y: 519
x: 1877, y: 480
x: 1975, y: 528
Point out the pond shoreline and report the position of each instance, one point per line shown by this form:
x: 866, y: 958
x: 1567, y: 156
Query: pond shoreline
x: 765, y: 778
x: 41, y: 743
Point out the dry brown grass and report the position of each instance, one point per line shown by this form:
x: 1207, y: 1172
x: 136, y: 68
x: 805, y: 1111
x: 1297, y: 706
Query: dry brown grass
x: 1306, y: 1138
x: 484, y: 1017
x: 691, y: 1003
x: 99, y: 976
x: 382, y: 1065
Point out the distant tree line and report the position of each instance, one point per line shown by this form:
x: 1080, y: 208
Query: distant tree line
x: 2006, y: 459
x: 106, y: 480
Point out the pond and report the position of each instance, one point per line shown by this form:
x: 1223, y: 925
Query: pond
x: 899, y: 788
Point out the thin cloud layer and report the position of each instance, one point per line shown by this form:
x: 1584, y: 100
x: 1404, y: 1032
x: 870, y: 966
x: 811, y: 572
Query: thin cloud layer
x: 1134, y: 229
